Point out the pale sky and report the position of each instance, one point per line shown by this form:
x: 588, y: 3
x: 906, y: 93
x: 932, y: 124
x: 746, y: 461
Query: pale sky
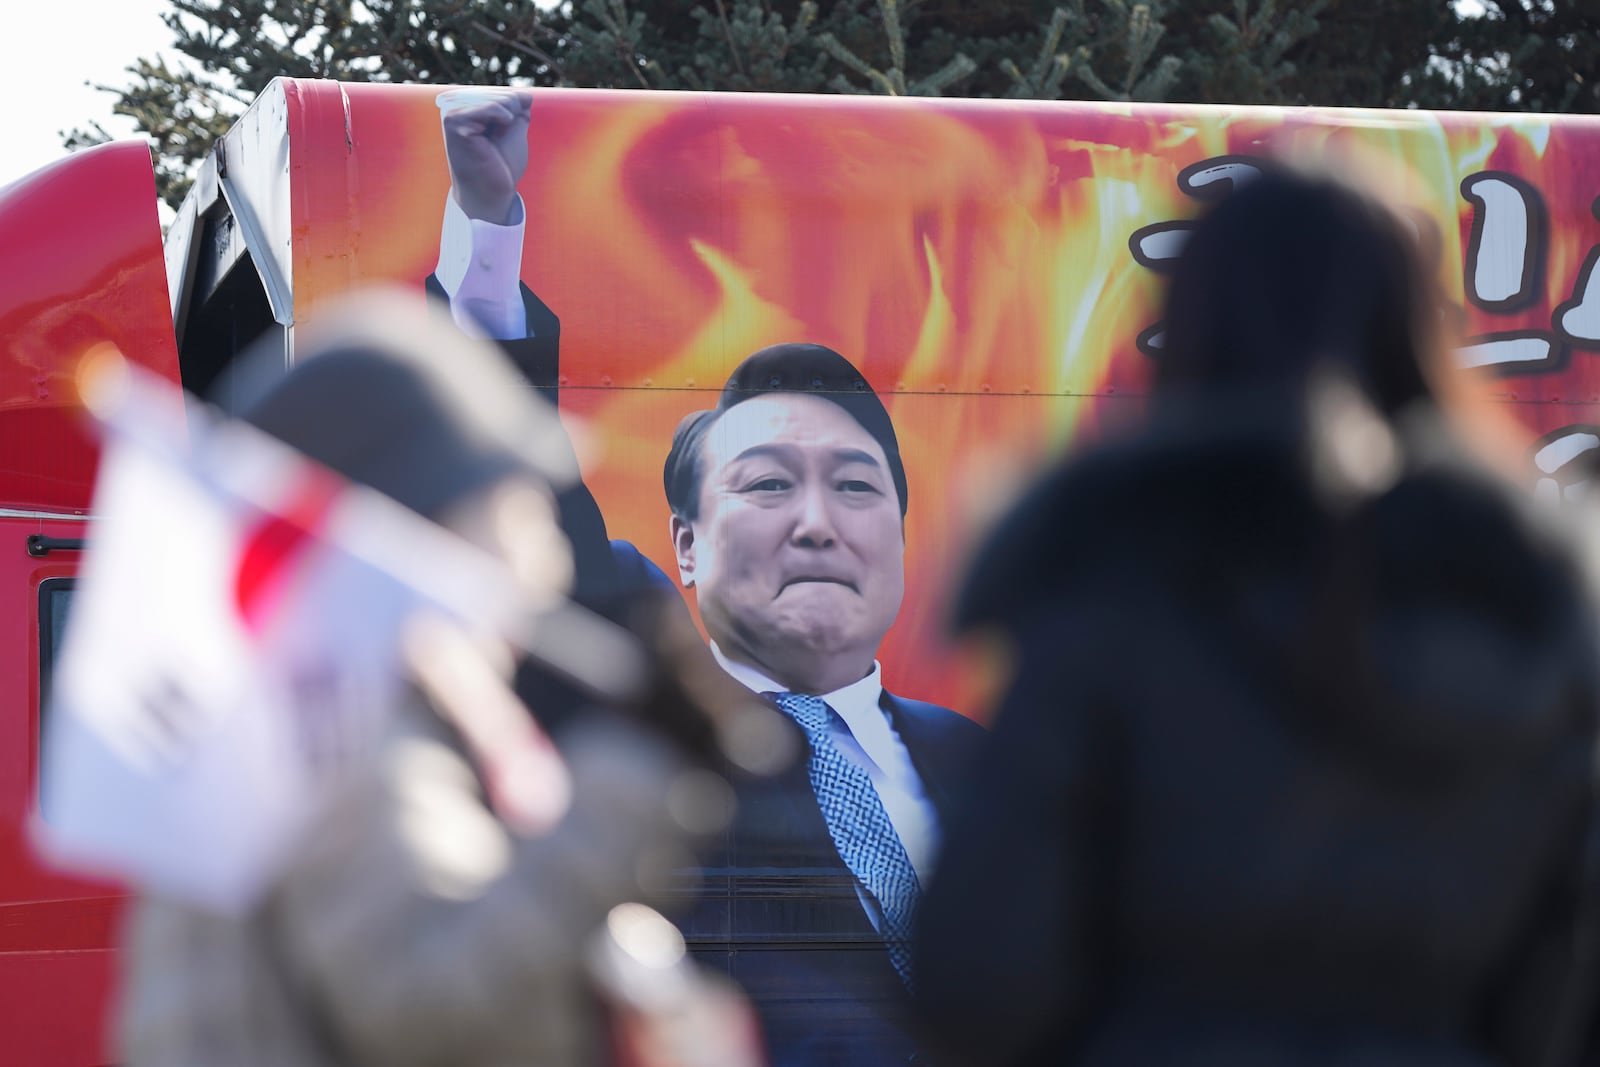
x: 43, y: 94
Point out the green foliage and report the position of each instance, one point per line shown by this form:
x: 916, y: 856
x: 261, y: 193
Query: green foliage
x: 736, y: 45
x: 182, y: 114
x: 894, y: 81
x: 1050, y: 66
x: 1248, y: 58
x: 1520, y: 55
x: 1128, y: 36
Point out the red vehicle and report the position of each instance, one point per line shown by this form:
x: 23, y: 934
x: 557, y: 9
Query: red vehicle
x: 990, y: 267
x: 96, y: 209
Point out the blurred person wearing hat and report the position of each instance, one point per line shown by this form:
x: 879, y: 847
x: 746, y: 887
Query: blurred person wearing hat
x: 1299, y: 748
x: 788, y: 502
x: 458, y: 901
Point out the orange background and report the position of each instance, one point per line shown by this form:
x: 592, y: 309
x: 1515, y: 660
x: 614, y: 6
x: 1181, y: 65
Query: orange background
x: 971, y: 257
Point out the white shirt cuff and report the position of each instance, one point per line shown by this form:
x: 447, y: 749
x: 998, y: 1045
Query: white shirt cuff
x: 480, y: 267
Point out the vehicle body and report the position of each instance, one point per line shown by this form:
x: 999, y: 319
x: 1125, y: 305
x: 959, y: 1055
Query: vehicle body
x: 991, y: 267
x: 87, y: 271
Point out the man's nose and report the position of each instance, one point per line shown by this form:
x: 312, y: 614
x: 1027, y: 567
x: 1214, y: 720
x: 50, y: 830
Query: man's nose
x: 813, y: 524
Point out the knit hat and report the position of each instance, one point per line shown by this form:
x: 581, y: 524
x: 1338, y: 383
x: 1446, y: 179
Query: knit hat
x: 391, y: 395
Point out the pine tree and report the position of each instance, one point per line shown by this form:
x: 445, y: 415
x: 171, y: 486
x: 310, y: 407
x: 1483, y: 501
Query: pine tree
x: 1250, y: 48
x: 1520, y: 55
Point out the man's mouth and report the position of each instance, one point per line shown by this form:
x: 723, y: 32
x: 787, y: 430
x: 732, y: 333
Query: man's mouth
x: 820, y: 579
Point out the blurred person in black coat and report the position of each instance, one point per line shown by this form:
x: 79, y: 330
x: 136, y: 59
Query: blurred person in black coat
x: 1297, y: 764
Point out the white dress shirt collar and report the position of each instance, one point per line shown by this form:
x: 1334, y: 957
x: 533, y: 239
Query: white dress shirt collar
x: 865, y: 734
x: 851, y: 702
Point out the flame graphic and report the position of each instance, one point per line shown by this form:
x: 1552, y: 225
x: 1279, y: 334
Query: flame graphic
x: 971, y: 257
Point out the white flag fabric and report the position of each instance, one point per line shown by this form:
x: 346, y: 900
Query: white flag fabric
x: 232, y: 643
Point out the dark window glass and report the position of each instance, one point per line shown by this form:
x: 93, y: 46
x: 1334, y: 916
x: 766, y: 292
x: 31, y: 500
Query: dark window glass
x: 55, y: 600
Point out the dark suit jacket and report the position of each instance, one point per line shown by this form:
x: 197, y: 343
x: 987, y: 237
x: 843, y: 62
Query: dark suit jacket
x: 538, y: 357
x: 778, y: 911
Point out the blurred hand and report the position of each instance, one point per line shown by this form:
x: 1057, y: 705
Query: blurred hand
x: 713, y: 1028
x: 696, y: 703
x: 528, y: 783
x: 487, y: 148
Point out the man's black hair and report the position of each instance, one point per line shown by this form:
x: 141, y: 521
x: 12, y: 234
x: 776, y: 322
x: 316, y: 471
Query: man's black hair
x: 807, y: 369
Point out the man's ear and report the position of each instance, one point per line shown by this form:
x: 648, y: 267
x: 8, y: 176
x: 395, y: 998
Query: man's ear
x: 683, y: 547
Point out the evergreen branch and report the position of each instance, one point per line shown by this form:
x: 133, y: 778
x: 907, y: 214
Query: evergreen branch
x: 830, y: 44
x: 727, y: 33
x: 526, y: 49
x: 1047, y: 48
x: 1157, y: 85
x: 1058, y: 73
x: 623, y: 31
x: 652, y: 67
x: 797, y: 33
x: 896, y: 35
x: 1087, y: 75
x: 959, y: 67
x: 1143, y: 34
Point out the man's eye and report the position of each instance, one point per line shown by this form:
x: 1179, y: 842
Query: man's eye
x: 767, y: 485
x: 856, y: 485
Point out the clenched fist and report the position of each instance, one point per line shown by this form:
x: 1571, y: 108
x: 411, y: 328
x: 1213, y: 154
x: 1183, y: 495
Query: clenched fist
x: 487, y: 148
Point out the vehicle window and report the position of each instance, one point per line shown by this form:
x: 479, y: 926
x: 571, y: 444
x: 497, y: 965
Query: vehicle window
x: 55, y: 600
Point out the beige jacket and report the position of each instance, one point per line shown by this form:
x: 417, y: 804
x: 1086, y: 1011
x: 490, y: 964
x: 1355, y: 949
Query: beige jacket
x: 413, y: 928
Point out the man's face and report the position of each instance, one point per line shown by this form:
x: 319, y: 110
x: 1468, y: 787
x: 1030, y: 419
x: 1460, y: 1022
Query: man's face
x: 797, y: 555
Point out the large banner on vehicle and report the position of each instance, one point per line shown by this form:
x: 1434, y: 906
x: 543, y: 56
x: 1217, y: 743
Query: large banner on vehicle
x: 991, y: 269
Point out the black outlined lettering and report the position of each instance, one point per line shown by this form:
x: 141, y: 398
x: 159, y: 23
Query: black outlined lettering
x: 1510, y: 237
x: 1578, y: 320
x: 1565, y: 460
x: 1513, y: 352
x: 1214, y: 178
x: 1158, y: 247
x: 1152, y: 340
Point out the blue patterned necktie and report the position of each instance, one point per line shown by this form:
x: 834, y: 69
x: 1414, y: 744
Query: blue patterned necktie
x: 859, y: 826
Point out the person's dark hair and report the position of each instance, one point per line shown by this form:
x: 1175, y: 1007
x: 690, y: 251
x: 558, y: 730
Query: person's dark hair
x: 787, y: 368
x: 1289, y: 273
